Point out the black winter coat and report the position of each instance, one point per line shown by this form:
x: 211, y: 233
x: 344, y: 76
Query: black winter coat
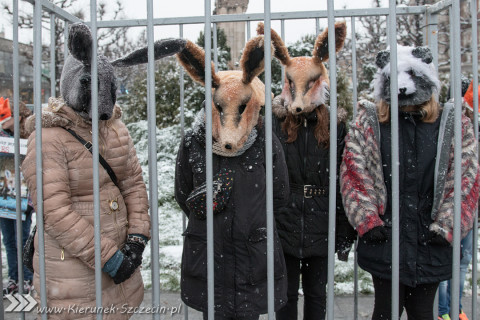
x: 240, y: 241
x: 420, y: 261
x: 303, y: 224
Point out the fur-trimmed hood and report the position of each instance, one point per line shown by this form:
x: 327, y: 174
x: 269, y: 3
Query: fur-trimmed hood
x: 280, y: 110
x: 58, y: 114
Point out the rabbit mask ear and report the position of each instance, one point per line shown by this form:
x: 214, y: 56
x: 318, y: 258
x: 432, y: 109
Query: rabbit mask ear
x: 320, y: 50
x: 161, y: 49
x: 281, y: 51
x: 80, y: 42
x: 253, y: 61
x: 192, y: 58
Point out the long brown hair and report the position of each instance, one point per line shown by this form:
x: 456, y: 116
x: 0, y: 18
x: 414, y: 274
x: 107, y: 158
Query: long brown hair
x: 429, y: 110
x: 322, y: 132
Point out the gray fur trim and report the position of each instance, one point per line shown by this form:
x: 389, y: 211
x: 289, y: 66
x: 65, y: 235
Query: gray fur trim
x: 278, y: 107
x: 445, y: 139
x: 371, y: 110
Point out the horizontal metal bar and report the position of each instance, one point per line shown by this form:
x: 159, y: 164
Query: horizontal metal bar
x: 59, y: 12
x: 439, y: 6
x: 260, y: 17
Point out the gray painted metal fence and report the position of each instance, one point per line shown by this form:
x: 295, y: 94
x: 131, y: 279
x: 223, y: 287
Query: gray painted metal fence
x: 430, y: 38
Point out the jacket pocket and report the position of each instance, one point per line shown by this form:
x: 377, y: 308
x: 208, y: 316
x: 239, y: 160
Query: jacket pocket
x: 194, y: 259
x: 257, y: 250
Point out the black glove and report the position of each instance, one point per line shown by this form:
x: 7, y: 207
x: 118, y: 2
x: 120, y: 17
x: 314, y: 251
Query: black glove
x: 343, y: 249
x: 134, y: 250
x: 378, y: 234
x: 437, y: 239
x: 125, y: 271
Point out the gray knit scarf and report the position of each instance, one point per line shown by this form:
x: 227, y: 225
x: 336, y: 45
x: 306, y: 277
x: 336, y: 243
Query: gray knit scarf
x: 199, y: 133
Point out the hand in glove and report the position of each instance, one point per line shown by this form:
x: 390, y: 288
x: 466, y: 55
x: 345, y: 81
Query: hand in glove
x: 134, y: 248
x: 437, y: 239
x: 343, y: 249
x: 125, y: 271
x: 378, y: 234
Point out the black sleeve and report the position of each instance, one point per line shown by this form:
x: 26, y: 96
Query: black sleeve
x: 345, y: 232
x: 281, y: 187
x: 183, y: 177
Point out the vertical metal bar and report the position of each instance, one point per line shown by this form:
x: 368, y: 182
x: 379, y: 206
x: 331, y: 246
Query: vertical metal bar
x: 95, y: 153
x: 248, y: 31
x: 16, y: 137
x: 209, y: 158
x: 37, y: 92
x: 392, y: 17
x: 65, y: 41
x: 282, y: 30
x: 317, y: 26
x: 182, y: 128
x: 431, y: 37
x: 332, y: 201
x: 354, y: 74
x: 152, y: 165
x: 215, y: 52
x: 454, y: 288
x: 269, y: 160
x: 474, y: 10
x: 452, y: 68
x: 53, y: 52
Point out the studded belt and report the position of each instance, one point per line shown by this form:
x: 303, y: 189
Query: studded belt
x: 309, y: 190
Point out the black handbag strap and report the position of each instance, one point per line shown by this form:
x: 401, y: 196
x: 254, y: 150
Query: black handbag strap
x: 88, y: 145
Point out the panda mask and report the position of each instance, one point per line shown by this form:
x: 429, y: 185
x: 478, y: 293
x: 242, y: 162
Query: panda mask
x: 416, y: 74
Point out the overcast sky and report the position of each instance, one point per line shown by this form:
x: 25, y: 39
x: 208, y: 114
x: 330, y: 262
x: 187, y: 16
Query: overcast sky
x: 136, y: 9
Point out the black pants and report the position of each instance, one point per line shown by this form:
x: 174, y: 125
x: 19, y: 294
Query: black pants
x: 417, y: 301
x: 314, y: 272
x: 205, y: 317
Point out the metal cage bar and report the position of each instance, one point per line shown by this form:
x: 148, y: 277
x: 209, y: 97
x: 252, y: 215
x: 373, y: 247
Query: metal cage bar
x: 95, y: 156
x: 152, y: 165
x: 392, y: 31
x: 332, y: 169
x: 52, y: 56
x: 37, y: 65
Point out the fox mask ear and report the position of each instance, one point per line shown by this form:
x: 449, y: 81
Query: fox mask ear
x: 320, y: 50
x: 192, y: 58
x: 161, y: 49
x: 281, y: 51
x: 253, y: 58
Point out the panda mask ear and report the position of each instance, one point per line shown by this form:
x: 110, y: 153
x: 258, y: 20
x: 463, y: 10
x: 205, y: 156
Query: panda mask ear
x: 423, y: 53
x: 383, y: 58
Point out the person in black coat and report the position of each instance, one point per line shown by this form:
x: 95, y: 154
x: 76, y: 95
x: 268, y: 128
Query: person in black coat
x: 239, y: 221
x: 301, y: 122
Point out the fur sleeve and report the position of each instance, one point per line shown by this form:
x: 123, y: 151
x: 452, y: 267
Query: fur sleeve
x: 357, y: 181
x: 443, y: 223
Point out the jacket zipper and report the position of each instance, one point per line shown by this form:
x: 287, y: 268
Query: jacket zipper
x: 302, y: 218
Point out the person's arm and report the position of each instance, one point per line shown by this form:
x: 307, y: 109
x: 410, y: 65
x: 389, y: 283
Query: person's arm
x: 183, y: 177
x: 72, y: 232
x: 345, y: 234
x: 360, y: 199
x: 443, y: 224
